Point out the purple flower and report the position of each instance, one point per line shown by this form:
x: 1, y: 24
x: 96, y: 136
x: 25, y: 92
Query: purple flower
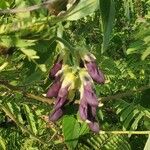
x: 88, y: 114
x: 56, y: 67
x: 94, y: 126
x: 54, y: 89
x: 63, y: 92
x: 89, y: 95
x: 93, y: 70
x: 59, y: 103
x: 56, y: 115
x: 88, y: 106
x: 83, y: 110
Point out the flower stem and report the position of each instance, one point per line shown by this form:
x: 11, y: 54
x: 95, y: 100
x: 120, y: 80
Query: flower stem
x: 124, y: 132
x: 66, y: 43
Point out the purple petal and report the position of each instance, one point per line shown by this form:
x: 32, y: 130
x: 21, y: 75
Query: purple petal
x: 63, y: 92
x: 60, y: 102
x: 91, y: 113
x: 94, y: 126
x: 83, y: 111
x: 90, y: 57
x: 56, y: 115
x: 90, y: 96
x: 53, y: 90
x: 94, y: 72
x: 56, y: 67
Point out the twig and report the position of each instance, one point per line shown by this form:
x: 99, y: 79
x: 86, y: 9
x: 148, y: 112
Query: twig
x: 125, y: 94
x: 29, y: 95
x: 39, y: 98
x: 124, y: 132
x: 50, y: 101
x: 30, y: 8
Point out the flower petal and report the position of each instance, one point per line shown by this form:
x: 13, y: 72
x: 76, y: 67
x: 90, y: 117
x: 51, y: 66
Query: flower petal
x: 90, y: 96
x: 63, y: 92
x: 91, y: 113
x: 56, y: 67
x: 60, y: 102
x: 56, y: 115
x: 94, y: 72
x: 54, y: 89
x: 94, y: 126
x: 83, y: 111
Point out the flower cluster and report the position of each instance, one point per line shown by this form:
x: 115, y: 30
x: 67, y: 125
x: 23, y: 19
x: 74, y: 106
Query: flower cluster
x: 67, y: 79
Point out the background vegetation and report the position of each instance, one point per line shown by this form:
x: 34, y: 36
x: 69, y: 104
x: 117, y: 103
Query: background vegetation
x: 117, y: 32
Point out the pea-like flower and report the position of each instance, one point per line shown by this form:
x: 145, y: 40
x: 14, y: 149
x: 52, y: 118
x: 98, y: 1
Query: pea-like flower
x: 88, y: 102
x: 67, y: 84
x: 54, y: 89
x: 56, y: 67
x: 67, y: 79
x: 56, y: 115
x: 92, y: 68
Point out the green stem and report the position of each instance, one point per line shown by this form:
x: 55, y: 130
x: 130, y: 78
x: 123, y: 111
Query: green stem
x: 67, y: 44
x: 124, y: 132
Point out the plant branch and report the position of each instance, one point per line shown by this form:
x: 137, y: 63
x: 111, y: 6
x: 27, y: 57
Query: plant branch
x: 28, y: 95
x: 124, y: 94
x: 30, y: 8
x: 66, y: 43
x: 124, y: 132
x: 50, y: 101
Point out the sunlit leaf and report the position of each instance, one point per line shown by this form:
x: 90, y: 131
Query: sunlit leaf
x: 147, y: 145
x: 107, y: 10
x: 71, y: 129
x: 146, y: 53
x: 30, y: 53
x: 83, y: 8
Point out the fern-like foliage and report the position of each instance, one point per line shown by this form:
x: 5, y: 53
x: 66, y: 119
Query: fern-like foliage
x: 131, y: 114
x: 104, y: 142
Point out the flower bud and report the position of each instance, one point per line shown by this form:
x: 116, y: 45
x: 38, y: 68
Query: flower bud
x: 56, y: 66
x: 94, y: 126
x: 54, y: 89
x: 92, y: 68
x: 60, y: 102
x: 86, y: 89
x: 67, y: 84
x: 83, y: 110
x: 88, y: 101
x: 56, y: 115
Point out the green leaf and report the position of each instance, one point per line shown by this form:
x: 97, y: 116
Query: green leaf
x: 147, y: 113
x: 15, y: 110
x: 3, y: 66
x: 83, y: 9
x: 30, y: 118
x: 134, y: 47
x: 2, y: 144
x: 126, y: 112
x: 147, y: 145
x: 34, y: 77
x: 71, y: 131
x: 107, y: 10
x: 145, y: 53
x: 136, y: 121
x: 42, y: 67
x: 122, y: 105
x: 30, y: 53
x: 105, y: 142
x: 129, y: 118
